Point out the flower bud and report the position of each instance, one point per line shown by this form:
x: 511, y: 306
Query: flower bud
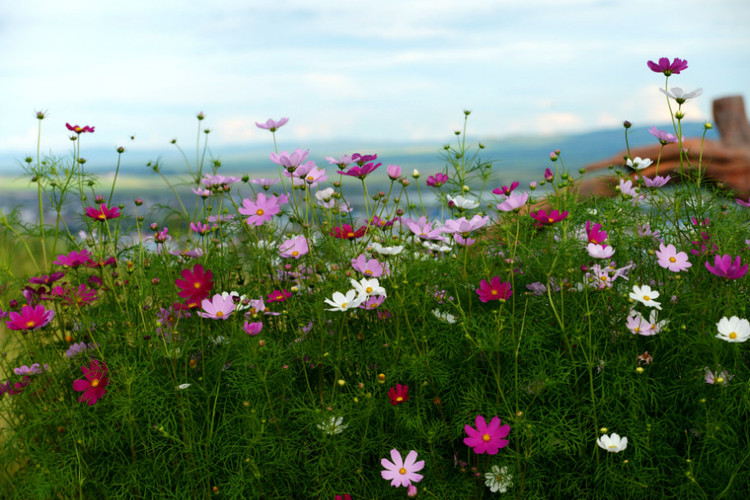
x: 627, y: 124
x: 415, y: 174
x: 394, y: 172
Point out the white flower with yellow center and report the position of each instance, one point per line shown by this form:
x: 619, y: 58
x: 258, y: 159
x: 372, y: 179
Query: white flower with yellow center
x: 368, y: 287
x: 613, y: 443
x: 733, y: 329
x: 343, y: 302
x: 333, y: 426
x: 498, y: 480
x: 645, y: 296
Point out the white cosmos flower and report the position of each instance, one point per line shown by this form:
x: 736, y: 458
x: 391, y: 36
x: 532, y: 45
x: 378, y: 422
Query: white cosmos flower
x: 324, y: 194
x: 343, y: 302
x: 612, y: 443
x: 436, y: 248
x: 447, y: 317
x: 238, y: 299
x: 680, y: 95
x: 182, y: 387
x: 378, y: 248
x: 600, y: 251
x: 733, y: 329
x: 645, y: 296
x: 638, y: 163
x: 333, y: 425
x: 498, y: 479
x: 462, y: 203
x: 367, y: 287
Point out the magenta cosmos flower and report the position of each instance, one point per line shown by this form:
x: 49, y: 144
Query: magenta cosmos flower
x: 487, y: 438
x: 505, y: 190
x: 219, y: 307
x: 195, y: 284
x: 73, y: 259
x: 543, y: 218
x: 398, y: 394
x: 252, y: 328
x: 79, y: 130
x: 726, y: 268
x: 30, y: 318
x: 261, y: 210
x: 361, y: 171
x: 670, y: 259
x: 437, y: 180
x: 666, y: 67
x: 102, y: 213
x: 402, y: 472
x: 272, y: 125
x: 347, y: 232
x: 494, y: 290
x: 595, y: 234
x: 295, y: 247
x: 94, y: 383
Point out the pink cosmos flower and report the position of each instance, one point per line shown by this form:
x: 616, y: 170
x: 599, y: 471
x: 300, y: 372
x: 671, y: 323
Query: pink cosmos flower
x: 200, y: 228
x: 424, y: 229
x: 102, y: 213
x: 639, y: 325
x: 600, y: 251
x: 203, y: 193
x: 657, y: 181
x: 505, y: 190
x: 278, y: 296
x: 74, y: 296
x: 47, y: 279
x: 513, y: 201
x: 548, y: 175
x: 722, y: 378
x: 594, y: 233
x: 664, y: 137
x: 360, y: 171
x: 261, y: 210
x: 372, y: 268
x: 494, y: 290
x: 402, y: 472
x: 437, y: 180
x: 210, y: 180
x: 295, y: 247
x: 312, y: 177
x: 341, y: 161
x: 372, y: 302
x: 290, y: 161
x: 29, y: 318
x: 726, y: 268
x: 195, y: 284
x: 464, y: 227
x: 218, y: 307
x: 394, y: 172
x: 94, y: 383
x: 362, y: 159
x: 272, y: 125
x: 543, y: 218
x: 253, y: 328
x: 743, y: 203
x: 264, y: 183
x: 398, y: 394
x: 464, y: 242
x: 347, y: 232
x: 670, y: 259
x: 664, y: 66
x: 345, y: 496
x: 487, y: 438
x: 79, y: 130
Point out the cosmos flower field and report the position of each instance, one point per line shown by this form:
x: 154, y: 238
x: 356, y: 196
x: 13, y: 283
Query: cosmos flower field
x: 267, y: 339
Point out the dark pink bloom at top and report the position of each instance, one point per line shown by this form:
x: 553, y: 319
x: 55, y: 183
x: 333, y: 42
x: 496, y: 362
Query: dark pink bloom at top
x: 360, y: 171
x: 73, y: 259
x: 437, y: 180
x: 79, y: 130
x: 543, y: 218
x: 74, y: 296
x: 726, y: 268
x: 487, y: 438
x: 505, y: 190
x: 362, y: 159
x: 278, y: 296
x: 494, y: 290
x: 664, y: 66
x: 272, y: 125
x: 102, y: 213
x: 594, y: 233
x: 30, y: 318
x: 398, y: 394
x: 664, y: 137
x: 94, y: 383
x: 549, y: 176
x: 195, y: 284
x: 347, y: 232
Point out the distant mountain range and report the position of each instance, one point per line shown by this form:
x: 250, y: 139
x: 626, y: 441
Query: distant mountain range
x: 515, y: 157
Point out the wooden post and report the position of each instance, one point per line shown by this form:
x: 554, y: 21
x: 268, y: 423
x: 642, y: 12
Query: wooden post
x: 729, y: 114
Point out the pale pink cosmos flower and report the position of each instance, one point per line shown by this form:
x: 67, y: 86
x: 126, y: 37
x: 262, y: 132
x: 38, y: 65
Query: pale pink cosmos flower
x: 290, y: 161
x: 638, y: 325
x: 217, y: 307
x: 670, y: 259
x: 264, y: 183
x: 272, y: 125
x: 664, y: 137
x: 464, y: 227
x: 722, y: 378
x: 423, y: 229
x: 294, y: 247
x: 252, y: 328
x: 600, y: 251
x: 261, y: 210
x: 513, y: 202
x: 370, y: 267
x: 394, y: 172
x: 657, y: 181
x: 464, y: 242
x: 402, y: 472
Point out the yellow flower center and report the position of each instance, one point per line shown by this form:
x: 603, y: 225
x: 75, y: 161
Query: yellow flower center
x: 30, y: 323
x: 219, y: 314
x: 310, y: 178
x: 102, y: 216
x: 733, y: 335
x: 494, y: 292
x: 672, y: 259
x: 368, y: 272
x: 551, y: 220
x: 343, y: 306
x: 402, y: 471
x: 603, y: 278
x: 486, y: 438
x: 646, y: 298
x: 399, y: 399
x: 350, y: 234
x: 612, y: 447
x: 295, y: 253
x: 95, y: 382
x: 368, y: 289
x: 637, y: 329
x: 196, y: 285
x: 719, y: 380
x: 259, y: 212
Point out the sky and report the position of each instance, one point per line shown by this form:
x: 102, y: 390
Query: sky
x: 370, y: 71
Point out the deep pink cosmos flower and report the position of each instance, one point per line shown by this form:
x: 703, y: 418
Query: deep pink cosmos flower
x: 102, y: 213
x: 742, y: 202
x: 253, y: 328
x: 362, y: 159
x: 666, y: 67
x: 79, y: 130
x: 360, y: 171
x: 487, y: 438
x: 295, y: 247
x: 278, y: 296
x: 345, y: 496
x: 94, y: 383
x: 261, y: 210
x: 437, y: 180
x: 726, y: 268
x: 670, y: 259
x: 195, y: 284
x: 543, y: 218
x: 272, y: 125
x: 595, y: 233
x: 398, y: 394
x: 505, y: 190
x: 347, y: 232
x: 664, y: 137
x: 218, y: 307
x: 549, y: 176
x: 494, y: 290
x: 69, y: 296
x: 402, y: 472
x: 30, y: 318
x: 45, y: 279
